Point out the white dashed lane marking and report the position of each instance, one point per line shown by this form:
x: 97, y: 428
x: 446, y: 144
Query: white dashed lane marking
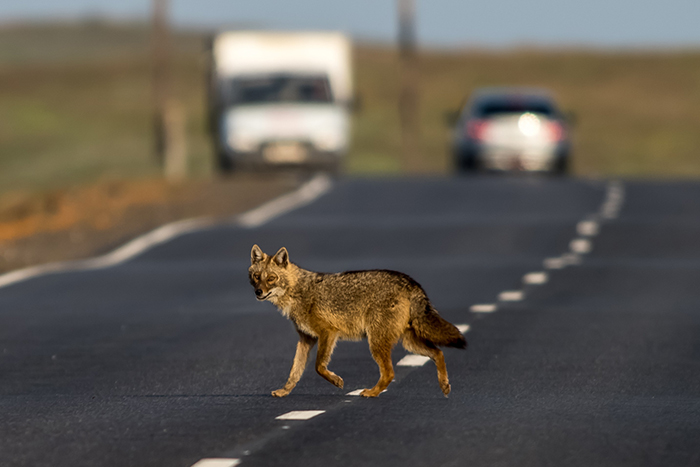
x: 536, y: 278
x: 567, y: 259
x: 511, y: 296
x: 578, y: 246
x: 357, y: 392
x: 413, y: 360
x: 587, y: 228
x: 217, y: 463
x: 483, y: 308
x: 554, y: 263
x: 581, y: 245
x: 571, y: 258
x: 300, y: 415
x: 613, y: 200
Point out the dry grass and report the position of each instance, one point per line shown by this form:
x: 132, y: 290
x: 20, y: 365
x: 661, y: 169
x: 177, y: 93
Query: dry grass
x: 95, y: 218
x: 99, y: 207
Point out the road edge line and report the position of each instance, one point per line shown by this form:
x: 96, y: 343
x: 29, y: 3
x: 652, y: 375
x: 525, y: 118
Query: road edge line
x: 305, y: 194
x: 313, y: 189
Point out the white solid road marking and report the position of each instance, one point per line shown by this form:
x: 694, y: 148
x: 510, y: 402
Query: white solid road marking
x: 535, y: 278
x: 307, y: 193
x: 217, y: 463
x: 413, y: 360
x: 462, y: 327
x: 140, y: 244
x: 483, y: 308
x: 300, y: 415
x: 125, y: 252
x: 511, y: 296
x: 304, y: 195
x: 587, y: 228
x: 581, y: 245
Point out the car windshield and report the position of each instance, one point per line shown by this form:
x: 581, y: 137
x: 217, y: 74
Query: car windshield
x: 277, y: 88
x: 508, y: 106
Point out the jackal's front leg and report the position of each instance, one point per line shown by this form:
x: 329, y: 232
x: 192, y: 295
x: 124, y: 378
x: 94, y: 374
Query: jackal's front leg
x: 305, y: 344
x: 381, y: 352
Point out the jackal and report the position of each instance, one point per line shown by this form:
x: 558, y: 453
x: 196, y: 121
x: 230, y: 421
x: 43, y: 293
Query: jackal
x: 380, y: 305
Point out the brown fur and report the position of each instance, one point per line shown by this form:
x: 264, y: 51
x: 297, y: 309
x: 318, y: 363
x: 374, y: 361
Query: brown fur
x: 382, y: 306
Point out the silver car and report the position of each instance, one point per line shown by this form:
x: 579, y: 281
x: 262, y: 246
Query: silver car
x: 507, y: 129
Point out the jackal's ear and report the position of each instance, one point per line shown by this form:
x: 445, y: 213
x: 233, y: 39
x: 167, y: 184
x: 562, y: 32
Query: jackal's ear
x: 281, y: 257
x: 256, y: 255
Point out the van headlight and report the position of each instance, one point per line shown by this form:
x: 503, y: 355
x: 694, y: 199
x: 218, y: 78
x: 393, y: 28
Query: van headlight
x: 241, y: 142
x: 329, y: 143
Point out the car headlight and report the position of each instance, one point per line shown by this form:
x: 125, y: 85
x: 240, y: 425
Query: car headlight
x: 529, y: 124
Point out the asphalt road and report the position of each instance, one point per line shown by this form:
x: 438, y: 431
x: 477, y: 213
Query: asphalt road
x: 168, y: 358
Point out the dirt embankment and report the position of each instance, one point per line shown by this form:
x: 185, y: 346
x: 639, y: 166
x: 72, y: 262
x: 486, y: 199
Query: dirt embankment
x: 81, y: 222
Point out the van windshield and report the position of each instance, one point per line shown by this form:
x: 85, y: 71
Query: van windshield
x: 277, y: 88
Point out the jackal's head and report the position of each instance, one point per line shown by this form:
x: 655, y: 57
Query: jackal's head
x: 270, y: 276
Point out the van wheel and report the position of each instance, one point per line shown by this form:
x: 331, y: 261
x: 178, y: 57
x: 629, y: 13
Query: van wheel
x: 224, y: 163
x: 334, y: 169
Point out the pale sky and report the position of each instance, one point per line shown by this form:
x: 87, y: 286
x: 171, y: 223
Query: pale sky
x: 452, y: 23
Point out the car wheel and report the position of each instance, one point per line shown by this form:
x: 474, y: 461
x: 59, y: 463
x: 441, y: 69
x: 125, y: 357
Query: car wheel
x: 561, y: 167
x: 466, y: 163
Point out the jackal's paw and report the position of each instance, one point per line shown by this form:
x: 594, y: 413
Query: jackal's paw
x: 280, y: 392
x: 446, y: 388
x: 338, y: 381
x: 370, y: 392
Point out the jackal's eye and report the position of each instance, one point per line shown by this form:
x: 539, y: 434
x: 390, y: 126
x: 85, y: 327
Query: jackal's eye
x: 256, y: 276
x: 271, y: 279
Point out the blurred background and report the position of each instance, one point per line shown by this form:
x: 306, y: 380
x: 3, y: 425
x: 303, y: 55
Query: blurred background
x: 93, y: 95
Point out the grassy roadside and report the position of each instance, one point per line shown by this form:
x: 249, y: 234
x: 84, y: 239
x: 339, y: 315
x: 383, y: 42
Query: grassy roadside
x: 76, y: 105
x: 637, y: 113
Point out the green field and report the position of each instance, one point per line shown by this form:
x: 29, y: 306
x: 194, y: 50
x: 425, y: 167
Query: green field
x: 75, y: 105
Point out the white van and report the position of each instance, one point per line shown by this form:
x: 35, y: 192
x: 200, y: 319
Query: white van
x: 280, y: 99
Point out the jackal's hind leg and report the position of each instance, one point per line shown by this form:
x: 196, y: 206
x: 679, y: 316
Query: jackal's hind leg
x: 326, y: 345
x: 381, y: 352
x: 415, y: 344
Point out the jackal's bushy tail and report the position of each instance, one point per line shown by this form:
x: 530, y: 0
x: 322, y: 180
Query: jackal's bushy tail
x: 430, y: 326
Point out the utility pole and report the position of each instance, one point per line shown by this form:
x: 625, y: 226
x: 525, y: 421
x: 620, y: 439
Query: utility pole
x: 168, y: 115
x: 408, y: 97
